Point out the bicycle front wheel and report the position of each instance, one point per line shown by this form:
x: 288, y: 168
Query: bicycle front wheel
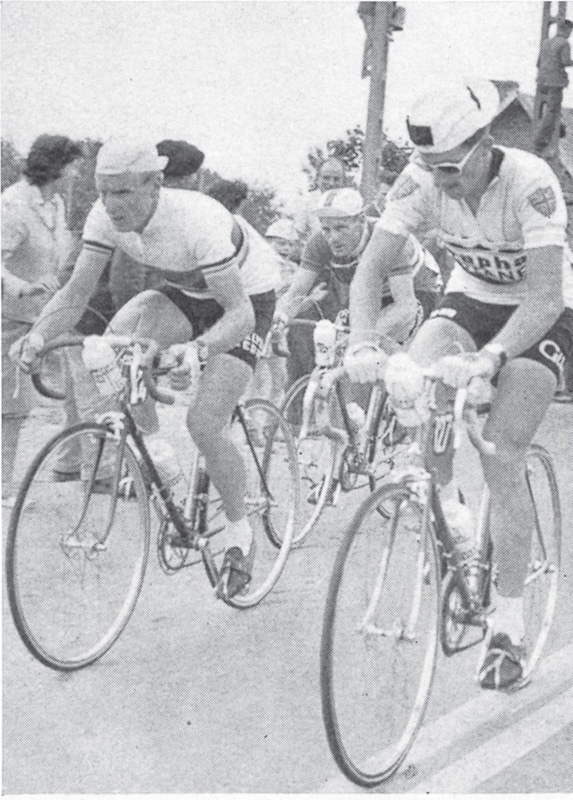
x: 77, y: 549
x: 316, y: 457
x: 542, y: 581
x: 272, y: 496
x: 380, y: 635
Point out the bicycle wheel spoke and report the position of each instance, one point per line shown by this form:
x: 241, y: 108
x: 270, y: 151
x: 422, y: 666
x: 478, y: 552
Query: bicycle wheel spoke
x: 272, y: 493
x: 541, y: 583
x: 76, y: 558
x: 379, y: 637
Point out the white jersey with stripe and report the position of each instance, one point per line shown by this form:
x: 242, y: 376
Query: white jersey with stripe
x: 190, y: 237
x: 522, y: 208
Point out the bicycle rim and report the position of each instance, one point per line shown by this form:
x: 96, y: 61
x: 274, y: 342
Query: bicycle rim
x: 380, y: 636
x: 316, y: 455
x: 272, y: 494
x: 541, y: 583
x: 71, y: 587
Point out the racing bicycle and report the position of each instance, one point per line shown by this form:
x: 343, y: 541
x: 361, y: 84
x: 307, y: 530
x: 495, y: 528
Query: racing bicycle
x: 77, y: 550
x: 399, y: 589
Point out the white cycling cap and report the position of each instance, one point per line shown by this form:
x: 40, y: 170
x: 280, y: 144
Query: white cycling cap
x: 118, y: 156
x: 443, y: 118
x: 282, y: 229
x: 340, y: 203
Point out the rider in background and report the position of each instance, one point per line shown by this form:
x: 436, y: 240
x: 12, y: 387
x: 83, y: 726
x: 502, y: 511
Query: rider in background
x: 508, y: 306
x: 216, y: 303
x: 327, y: 267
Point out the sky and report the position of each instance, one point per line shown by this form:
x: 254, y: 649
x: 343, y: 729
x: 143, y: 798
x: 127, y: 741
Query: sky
x: 255, y: 85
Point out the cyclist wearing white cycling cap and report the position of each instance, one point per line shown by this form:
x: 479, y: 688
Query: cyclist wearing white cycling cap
x: 218, y: 298
x: 508, y: 303
x: 330, y: 258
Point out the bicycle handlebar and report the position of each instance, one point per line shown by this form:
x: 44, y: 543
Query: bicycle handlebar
x: 151, y: 350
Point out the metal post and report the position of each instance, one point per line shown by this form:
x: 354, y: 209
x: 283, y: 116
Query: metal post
x: 375, y: 116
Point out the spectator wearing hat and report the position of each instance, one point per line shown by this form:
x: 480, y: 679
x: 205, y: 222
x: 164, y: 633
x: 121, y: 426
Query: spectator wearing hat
x: 127, y: 276
x: 554, y: 58
x: 35, y: 243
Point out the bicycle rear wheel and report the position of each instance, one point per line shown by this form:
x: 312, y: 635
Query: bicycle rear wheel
x: 272, y: 494
x: 316, y: 457
x: 77, y: 550
x: 380, y: 635
x: 542, y: 581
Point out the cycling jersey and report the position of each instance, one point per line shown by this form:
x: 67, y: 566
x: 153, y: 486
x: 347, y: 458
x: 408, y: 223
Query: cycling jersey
x: 522, y: 208
x: 190, y: 237
x: 318, y: 257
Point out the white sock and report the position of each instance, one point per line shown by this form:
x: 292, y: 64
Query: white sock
x: 238, y: 534
x: 449, y: 493
x: 508, y: 618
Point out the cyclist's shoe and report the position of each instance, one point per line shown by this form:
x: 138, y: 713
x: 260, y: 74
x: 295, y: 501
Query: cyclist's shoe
x: 503, y: 665
x: 236, y: 572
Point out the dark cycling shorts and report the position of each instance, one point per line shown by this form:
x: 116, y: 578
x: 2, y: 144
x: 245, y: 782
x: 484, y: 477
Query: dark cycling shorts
x: 484, y: 320
x: 203, y: 314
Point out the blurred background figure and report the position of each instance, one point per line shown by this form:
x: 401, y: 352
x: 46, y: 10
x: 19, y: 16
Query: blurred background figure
x: 231, y: 194
x: 330, y: 175
x: 184, y: 162
x: 35, y: 244
x: 554, y: 57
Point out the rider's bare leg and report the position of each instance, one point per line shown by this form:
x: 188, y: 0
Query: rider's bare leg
x: 511, y: 425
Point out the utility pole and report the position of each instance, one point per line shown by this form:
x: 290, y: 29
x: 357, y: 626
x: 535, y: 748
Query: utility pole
x: 379, y: 20
x: 551, y: 154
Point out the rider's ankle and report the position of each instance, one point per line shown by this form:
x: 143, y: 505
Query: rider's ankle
x: 508, y: 618
x: 238, y: 534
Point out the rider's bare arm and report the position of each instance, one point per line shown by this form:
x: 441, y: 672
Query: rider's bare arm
x: 402, y: 311
x: 66, y: 307
x: 238, y: 321
x: 366, y: 289
x: 302, y: 283
x: 542, y: 305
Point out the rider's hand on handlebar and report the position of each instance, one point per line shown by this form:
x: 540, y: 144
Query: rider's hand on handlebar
x: 188, y: 366
x: 363, y: 362
x: 404, y: 381
x: 458, y: 370
x: 24, y: 351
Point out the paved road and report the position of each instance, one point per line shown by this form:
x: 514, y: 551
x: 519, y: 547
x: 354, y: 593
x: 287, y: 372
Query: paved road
x: 197, y: 697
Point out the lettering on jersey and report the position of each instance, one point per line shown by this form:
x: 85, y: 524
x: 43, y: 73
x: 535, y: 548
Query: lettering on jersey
x: 543, y: 200
x: 449, y: 313
x: 253, y: 343
x: 489, y: 266
x: 403, y: 188
x: 442, y: 431
x: 552, y: 352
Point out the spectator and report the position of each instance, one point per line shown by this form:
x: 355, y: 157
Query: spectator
x: 35, y: 243
x: 231, y: 194
x: 331, y: 175
x: 128, y: 277
x: 554, y: 57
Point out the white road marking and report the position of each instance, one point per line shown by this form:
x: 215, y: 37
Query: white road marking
x: 449, y: 729
x: 467, y: 773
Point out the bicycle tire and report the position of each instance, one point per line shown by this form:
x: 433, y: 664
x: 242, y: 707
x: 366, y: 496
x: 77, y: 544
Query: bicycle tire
x: 380, y: 635
x: 60, y: 575
x: 272, y: 494
x: 542, y: 581
x: 315, y: 463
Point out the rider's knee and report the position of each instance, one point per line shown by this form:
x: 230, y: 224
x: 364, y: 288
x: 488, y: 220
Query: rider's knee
x: 140, y: 310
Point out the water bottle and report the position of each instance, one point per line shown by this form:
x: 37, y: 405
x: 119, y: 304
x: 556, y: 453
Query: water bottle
x: 357, y: 417
x: 324, y: 341
x: 99, y: 358
x: 163, y: 456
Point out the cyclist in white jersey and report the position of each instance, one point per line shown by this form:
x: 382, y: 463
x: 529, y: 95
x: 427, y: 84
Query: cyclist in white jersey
x: 218, y: 300
x: 508, y: 305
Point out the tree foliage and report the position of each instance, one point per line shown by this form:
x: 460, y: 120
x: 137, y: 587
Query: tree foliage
x: 349, y: 150
x: 11, y: 164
